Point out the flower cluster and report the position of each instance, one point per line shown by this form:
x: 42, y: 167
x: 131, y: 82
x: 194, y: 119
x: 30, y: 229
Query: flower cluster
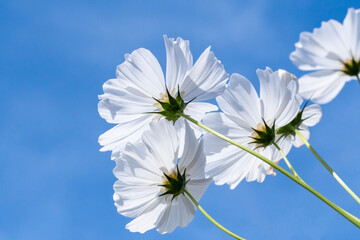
x: 164, y: 158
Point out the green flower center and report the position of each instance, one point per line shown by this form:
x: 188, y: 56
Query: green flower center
x: 174, y: 183
x: 169, y: 106
x: 351, y: 67
x: 263, y: 135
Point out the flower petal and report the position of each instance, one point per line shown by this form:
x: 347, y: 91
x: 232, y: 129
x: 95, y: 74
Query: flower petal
x: 206, y: 78
x: 142, y: 72
x: 179, y: 61
x: 134, y: 199
x: 352, y: 31
x: 148, y: 219
x: 321, y: 86
x: 191, y: 147
x: 120, y: 104
x: 178, y: 212
x: 232, y: 165
x: 241, y: 100
x: 230, y: 127
x: 163, y: 144
x: 325, y: 48
x: 118, y: 136
x: 311, y: 115
x: 193, y: 158
x: 278, y: 91
x: 198, y: 187
x: 135, y: 163
x: 197, y: 110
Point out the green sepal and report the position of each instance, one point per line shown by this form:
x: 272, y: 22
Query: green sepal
x: 173, y: 109
x: 266, y: 137
x: 175, y: 186
x: 352, y: 67
x: 289, y: 129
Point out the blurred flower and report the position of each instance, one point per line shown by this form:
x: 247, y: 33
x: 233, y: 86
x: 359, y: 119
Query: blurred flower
x: 153, y: 174
x: 251, y: 121
x: 139, y: 90
x: 306, y: 117
x: 333, y: 53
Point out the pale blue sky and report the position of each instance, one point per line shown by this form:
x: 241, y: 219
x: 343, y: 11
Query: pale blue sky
x: 54, y: 58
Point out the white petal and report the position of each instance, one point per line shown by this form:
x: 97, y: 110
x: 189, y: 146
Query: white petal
x: 120, y: 104
x: 178, y: 61
x: 352, y: 30
x: 194, y: 160
x: 135, y: 163
x: 198, y: 187
x: 227, y: 127
x: 278, y: 90
x: 150, y: 218
x: 256, y: 171
x: 206, y: 78
x: 321, y: 86
x: 309, y: 55
x: 163, y: 144
x: 193, y: 157
x: 311, y: 115
x: 192, y: 148
x: 138, y: 180
x: 197, y: 110
x: 142, y: 72
x: 325, y: 48
x: 179, y: 212
x: 241, y: 100
x: 331, y: 36
x: 232, y: 165
x: 135, y: 199
x: 118, y: 136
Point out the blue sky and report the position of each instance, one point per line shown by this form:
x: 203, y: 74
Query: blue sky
x: 54, y: 58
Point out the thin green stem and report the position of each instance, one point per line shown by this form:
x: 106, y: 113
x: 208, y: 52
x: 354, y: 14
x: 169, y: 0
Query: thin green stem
x: 344, y: 213
x: 286, y: 160
x: 322, y: 161
x: 210, y: 218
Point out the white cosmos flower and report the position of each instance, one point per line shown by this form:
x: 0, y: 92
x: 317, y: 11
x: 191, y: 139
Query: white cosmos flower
x: 128, y: 98
x: 333, y: 53
x: 141, y: 170
x: 244, y: 111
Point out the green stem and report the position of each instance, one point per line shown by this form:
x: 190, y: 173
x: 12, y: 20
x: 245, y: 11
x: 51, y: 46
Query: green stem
x: 210, y: 218
x: 286, y: 160
x: 344, y: 213
x: 322, y: 161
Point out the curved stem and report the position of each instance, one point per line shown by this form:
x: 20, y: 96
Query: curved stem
x: 210, y: 218
x: 286, y: 160
x: 322, y: 161
x: 344, y: 213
